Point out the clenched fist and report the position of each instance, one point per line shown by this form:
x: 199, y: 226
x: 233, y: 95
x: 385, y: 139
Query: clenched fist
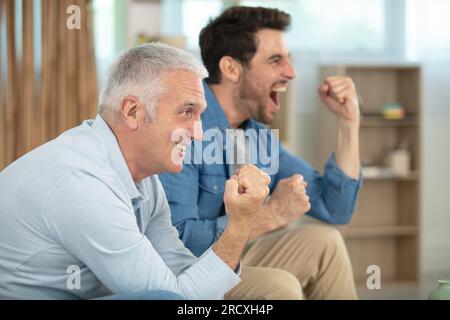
x: 289, y: 199
x: 339, y: 95
x: 245, y: 192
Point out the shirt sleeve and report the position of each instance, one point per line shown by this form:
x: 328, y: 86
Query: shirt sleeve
x: 182, y: 191
x: 98, y: 227
x: 332, y: 195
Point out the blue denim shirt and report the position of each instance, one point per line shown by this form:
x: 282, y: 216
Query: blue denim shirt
x: 196, y: 194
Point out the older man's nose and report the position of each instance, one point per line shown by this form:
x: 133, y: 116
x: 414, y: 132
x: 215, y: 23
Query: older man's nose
x: 197, y: 131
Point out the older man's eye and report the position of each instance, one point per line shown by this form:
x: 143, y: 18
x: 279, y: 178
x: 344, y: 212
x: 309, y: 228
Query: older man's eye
x: 187, y: 113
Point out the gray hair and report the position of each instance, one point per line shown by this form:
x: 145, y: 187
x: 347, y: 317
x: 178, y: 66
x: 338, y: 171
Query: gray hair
x: 139, y: 72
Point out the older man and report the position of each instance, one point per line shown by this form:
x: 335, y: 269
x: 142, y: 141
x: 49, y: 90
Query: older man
x: 85, y: 215
x: 249, y: 65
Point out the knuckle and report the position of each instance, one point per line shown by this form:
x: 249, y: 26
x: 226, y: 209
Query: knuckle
x: 243, y: 180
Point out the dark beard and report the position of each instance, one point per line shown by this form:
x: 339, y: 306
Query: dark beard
x: 250, y: 99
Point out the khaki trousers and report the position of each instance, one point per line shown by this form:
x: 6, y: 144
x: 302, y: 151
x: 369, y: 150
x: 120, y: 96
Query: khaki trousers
x: 309, y: 261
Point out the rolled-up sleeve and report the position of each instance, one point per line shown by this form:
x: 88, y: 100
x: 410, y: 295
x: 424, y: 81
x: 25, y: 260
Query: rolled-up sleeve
x: 98, y: 227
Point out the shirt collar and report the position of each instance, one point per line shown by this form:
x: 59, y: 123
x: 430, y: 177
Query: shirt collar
x: 137, y: 193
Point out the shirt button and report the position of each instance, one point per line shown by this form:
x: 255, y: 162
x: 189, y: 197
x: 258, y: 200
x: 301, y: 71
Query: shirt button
x: 215, y: 187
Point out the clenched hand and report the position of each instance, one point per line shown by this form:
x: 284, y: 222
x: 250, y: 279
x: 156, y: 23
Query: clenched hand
x: 339, y: 95
x: 245, y: 193
x: 290, y: 199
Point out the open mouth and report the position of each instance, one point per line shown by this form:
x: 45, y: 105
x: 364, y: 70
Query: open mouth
x: 275, y: 95
x: 181, y: 149
x: 178, y: 153
x: 181, y: 142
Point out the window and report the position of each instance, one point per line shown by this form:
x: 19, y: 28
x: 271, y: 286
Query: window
x: 103, y: 20
x: 329, y: 25
x: 317, y: 25
x: 109, y: 32
x: 196, y: 14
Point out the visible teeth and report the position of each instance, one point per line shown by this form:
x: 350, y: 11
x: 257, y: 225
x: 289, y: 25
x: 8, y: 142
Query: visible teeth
x: 280, y: 89
x: 181, y: 147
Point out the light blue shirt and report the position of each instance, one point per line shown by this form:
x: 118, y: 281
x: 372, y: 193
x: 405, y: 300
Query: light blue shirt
x: 72, y: 205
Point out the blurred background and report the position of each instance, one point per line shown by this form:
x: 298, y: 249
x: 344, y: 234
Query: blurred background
x: 54, y: 55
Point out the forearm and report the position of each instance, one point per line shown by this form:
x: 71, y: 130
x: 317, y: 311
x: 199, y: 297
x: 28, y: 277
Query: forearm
x: 347, y: 147
x: 230, y: 245
x: 265, y: 221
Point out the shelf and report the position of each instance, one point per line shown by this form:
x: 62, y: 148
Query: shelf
x: 380, y: 66
x: 379, y: 121
x: 374, y: 232
x: 385, y: 229
x: 413, y: 176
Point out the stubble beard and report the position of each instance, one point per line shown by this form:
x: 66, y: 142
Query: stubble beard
x: 251, y: 99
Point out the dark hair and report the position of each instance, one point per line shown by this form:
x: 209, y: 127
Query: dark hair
x: 233, y: 34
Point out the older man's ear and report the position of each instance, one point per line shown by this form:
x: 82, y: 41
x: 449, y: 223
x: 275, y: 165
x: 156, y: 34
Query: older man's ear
x: 129, y: 111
